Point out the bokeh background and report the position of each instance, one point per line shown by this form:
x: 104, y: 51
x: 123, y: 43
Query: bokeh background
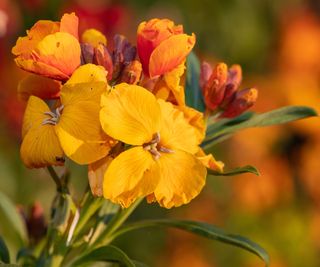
x: 278, y: 45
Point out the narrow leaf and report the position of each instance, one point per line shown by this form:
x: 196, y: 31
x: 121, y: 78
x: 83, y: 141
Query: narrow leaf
x: 11, y: 218
x: 216, y: 131
x: 193, y: 92
x: 4, y: 252
x: 236, y: 171
x: 108, y: 254
x: 201, y: 229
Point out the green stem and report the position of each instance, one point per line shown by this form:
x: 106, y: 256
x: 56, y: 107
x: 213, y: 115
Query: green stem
x: 114, y: 225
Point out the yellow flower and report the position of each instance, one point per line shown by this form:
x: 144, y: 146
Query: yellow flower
x: 162, y: 164
x: 72, y: 129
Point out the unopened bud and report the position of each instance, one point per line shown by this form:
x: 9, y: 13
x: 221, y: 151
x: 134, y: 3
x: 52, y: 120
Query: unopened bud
x: 242, y: 100
x: 214, y: 89
x: 87, y: 52
x: 132, y: 72
x: 35, y: 222
x: 124, y: 52
x: 233, y: 82
x: 205, y: 73
x: 103, y: 58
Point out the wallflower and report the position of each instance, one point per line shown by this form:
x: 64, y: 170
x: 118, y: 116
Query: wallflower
x: 161, y: 164
x: 50, y: 48
x: 73, y: 129
x: 162, y: 46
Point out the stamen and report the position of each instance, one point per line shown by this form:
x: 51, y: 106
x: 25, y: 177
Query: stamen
x: 155, y: 148
x: 54, y: 116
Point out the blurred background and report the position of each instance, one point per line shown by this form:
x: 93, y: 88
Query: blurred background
x: 278, y: 45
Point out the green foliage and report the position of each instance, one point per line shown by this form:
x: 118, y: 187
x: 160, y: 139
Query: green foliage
x: 4, y: 252
x: 236, y: 171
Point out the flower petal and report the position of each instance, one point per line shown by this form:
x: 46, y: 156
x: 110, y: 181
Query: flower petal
x: 39, y: 86
x: 129, y: 177
x: 79, y: 130
x: 60, y: 50
x: 40, y: 146
x: 182, y: 178
x: 170, y: 54
x: 88, y: 73
x: 40, y: 29
x: 209, y: 161
x: 70, y: 24
x: 176, y: 132
x: 130, y: 114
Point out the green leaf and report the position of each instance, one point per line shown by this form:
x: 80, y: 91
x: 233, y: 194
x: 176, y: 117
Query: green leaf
x: 11, y: 221
x: 193, y: 92
x: 108, y: 254
x: 236, y: 171
x: 201, y: 229
x: 220, y: 130
x: 4, y: 252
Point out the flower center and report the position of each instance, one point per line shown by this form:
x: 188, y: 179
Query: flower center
x: 155, y: 148
x: 54, y: 116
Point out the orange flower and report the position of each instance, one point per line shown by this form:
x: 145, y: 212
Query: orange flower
x: 50, y: 48
x: 162, y: 46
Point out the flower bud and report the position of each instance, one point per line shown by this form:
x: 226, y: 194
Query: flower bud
x: 35, y: 222
x: 214, y: 89
x: 205, y: 73
x: 132, y: 72
x: 233, y: 82
x: 103, y: 58
x: 87, y: 52
x: 242, y: 100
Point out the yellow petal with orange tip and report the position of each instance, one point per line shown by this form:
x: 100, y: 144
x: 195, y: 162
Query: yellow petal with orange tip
x: 176, y: 132
x: 40, y: 146
x: 39, y: 86
x: 93, y: 37
x: 60, y: 50
x: 88, y: 73
x: 70, y: 24
x: 40, y: 29
x: 41, y: 69
x: 209, y: 161
x: 182, y: 177
x: 78, y: 129
x: 170, y: 54
x: 130, y: 114
x: 129, y: 177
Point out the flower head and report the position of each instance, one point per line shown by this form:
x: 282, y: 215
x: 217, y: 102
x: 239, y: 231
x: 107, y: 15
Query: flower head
x: 72, y: 128
x: 50, y: 48
x: 161, y: 164
x: 162, y: 46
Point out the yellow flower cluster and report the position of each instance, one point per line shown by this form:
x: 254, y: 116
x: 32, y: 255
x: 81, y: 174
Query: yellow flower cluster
x: 122, y: 112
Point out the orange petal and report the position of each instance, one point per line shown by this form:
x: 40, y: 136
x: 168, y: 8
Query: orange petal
x: 59, y: 50
x: 70, y: 24
x: 209, y: 161
x: 39, y: 86
x: 170, y: 54
x: 26, y: 44
x: 41, y: 69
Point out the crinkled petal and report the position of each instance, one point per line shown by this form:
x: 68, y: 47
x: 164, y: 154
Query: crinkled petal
x: 170, y: 54
x: 182, y: 178
x: 70, y: 24
x: 39, y: 86
x: 88, y: 73
x: 129, y: 177
x: 40, y: 146
x: 209, y: 161
x: 176, y: 132
x: 130, y: 114
x: 79, y: 130
x: 60, y: 50
x: 40, y: 29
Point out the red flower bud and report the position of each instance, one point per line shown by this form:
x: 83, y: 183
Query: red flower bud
x: 132, y: 72
x: 103, y: 58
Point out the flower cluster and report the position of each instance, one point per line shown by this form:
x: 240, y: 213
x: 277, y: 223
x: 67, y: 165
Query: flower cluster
x: 121, y: 111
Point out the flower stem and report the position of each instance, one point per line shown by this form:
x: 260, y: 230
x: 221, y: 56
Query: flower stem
x: 114, y: 225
